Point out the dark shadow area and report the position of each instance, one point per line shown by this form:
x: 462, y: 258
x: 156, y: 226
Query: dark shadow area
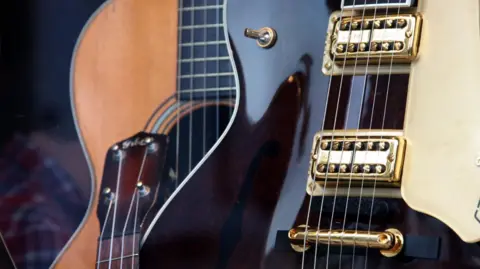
x: 44, y: 177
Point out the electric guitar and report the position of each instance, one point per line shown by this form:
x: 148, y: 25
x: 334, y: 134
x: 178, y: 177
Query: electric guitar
x: 391, y: 178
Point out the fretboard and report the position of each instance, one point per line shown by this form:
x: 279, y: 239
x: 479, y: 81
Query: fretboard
x: 204, y: 66
x: 119, y: 258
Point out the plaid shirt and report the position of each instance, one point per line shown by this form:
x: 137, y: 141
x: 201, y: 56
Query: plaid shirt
x: 40, y: 207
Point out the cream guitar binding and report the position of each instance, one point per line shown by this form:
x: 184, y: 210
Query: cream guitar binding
x: 441, y: 176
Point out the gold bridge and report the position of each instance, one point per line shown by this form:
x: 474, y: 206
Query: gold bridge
x: 390, y: 242
x: 355, y: 39
x: 357, y: 158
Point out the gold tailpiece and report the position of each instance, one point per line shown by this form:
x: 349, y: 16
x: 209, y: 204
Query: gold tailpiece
x: 389, y: 242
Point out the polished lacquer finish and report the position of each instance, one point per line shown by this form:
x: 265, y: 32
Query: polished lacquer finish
x: 229, y: 211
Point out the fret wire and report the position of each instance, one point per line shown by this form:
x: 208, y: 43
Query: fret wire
x: 207, y: 75
x: 199, y: 26
x: 219, y: 42
x: 209, y: 89
x: 204, y: 59
x: 201, y: 7
x: 118, y: 258
x: 105, y: 256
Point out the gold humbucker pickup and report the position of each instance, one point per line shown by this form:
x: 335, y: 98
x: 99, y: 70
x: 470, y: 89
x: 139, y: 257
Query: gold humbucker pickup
x: 357, y: 157
x: 355, y: 40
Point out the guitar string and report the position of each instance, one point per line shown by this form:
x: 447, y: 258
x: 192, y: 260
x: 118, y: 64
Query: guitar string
x: 354, y: 76
x: 117, y: 194
x: 383, y: 122
x: 369, y: 131
x: 326, y: 177
x: 134, y: 228
x: 368, y: 152
x: 205, y: 81
x: 230, y: 80
x: 332, y: 137
x: 135, y: 193
x: 217, y: 78
x: 179, y: 87
x: 102, y: 232
x: 356, y: 133
x: 192, y: 71
x: 125, y: 228
x: 364, y: 90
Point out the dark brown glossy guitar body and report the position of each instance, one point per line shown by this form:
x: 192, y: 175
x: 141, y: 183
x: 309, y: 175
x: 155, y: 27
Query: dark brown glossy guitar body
x: 228, y: 213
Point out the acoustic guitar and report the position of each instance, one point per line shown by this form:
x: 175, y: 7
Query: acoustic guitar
x: 153, y: 90
x: 391, y: 179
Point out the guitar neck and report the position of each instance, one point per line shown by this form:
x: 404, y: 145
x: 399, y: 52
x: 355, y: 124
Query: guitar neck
x: 129, y: 184
x: 122, y: 251
x: 205, y: 71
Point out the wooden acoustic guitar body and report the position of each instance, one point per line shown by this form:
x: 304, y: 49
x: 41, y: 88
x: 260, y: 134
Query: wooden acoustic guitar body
x: 124, y: 66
